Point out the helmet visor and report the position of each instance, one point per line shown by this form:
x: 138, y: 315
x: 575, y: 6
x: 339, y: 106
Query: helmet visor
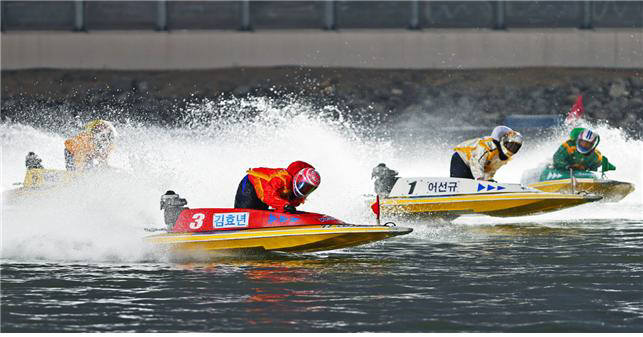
x: 105, y: 137
x: 303, y: 189
x: 305, y: 182
x: 585, y: 146
x: 103, y: 134
x: 513, y: 147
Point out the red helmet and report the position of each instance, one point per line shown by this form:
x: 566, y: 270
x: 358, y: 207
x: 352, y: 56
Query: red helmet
x: 305, y: 182
x: 297, y: 166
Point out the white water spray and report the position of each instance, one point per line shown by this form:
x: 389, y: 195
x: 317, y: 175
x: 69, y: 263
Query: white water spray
x: 104, y: 218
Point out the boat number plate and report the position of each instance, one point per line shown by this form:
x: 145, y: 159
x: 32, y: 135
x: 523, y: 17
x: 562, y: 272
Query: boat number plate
x: 231, y: 220
x: 433, y: 187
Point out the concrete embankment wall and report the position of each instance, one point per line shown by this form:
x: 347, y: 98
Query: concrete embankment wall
x: 434, y: 49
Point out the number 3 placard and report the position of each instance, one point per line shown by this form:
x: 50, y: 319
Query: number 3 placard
x: 198, y: 221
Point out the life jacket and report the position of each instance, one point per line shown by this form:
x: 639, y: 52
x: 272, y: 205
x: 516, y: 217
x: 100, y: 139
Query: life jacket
x: 273, y: 186
x: 482, y: 156
x: 570, y: 146
x: 83, y: 149
x: 567, y: 157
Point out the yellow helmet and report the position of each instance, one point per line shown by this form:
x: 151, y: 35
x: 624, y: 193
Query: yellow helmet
x: 103, y: 132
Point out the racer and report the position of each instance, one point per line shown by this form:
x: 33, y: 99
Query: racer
x: 480, y: 158
x: 91, y: 147
x: 32, y: 161
x: 579, y: 152
x: 385, y: 179
x: 281, y: 189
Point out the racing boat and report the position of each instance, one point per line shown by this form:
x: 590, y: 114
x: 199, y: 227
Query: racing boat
x: 219, y: 229
x: 38, y: 182
x: 451, y: 197
x: 549, y: 179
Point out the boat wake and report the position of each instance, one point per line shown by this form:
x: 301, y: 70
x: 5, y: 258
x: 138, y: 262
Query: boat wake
x: 104, y: 220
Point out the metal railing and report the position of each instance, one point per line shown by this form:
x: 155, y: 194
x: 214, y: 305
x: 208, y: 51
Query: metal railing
x: 248, y: 15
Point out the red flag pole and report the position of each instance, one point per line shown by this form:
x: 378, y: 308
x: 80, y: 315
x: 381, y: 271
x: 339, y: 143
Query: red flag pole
x: 376, y: 209
x: 576, y: 112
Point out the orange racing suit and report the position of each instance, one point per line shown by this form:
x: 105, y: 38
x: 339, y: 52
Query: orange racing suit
x: 83, y: 151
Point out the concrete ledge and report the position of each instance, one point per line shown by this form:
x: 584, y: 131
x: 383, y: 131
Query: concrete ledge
x: 435, y: 48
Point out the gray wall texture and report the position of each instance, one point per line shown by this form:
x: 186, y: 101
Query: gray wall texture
x: 445, y: 49
x: 158, y: 35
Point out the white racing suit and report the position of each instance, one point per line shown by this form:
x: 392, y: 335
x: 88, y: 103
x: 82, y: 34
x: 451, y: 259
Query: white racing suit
x: 482, y: 156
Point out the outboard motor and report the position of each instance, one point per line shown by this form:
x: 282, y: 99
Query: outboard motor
x: 385, y: 178
x: 32, y: 161
x: 173, y: 205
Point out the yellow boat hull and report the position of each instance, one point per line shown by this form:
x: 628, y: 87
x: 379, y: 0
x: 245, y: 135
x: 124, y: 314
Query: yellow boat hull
x: 307, y: 238
x: 610, y: 190
x: 502, y: 205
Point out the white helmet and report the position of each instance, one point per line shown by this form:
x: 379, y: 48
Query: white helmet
x: 499, y: 131
x: 587, y: 141
x: 511, y: 142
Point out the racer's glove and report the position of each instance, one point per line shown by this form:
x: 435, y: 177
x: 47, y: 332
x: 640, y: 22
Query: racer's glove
x: 289, y: 209
x: 606, y: 165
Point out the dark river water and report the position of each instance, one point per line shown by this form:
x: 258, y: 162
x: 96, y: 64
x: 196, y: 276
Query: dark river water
x: 572, y: 276
x: 76, y: 262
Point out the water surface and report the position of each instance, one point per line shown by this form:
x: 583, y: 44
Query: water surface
x: 574, y: 276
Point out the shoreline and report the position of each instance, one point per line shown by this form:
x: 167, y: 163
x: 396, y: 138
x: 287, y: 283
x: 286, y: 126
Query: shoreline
x: 474, y: 96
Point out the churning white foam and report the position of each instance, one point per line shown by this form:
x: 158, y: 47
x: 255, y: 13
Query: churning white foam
x: 103, y: 218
